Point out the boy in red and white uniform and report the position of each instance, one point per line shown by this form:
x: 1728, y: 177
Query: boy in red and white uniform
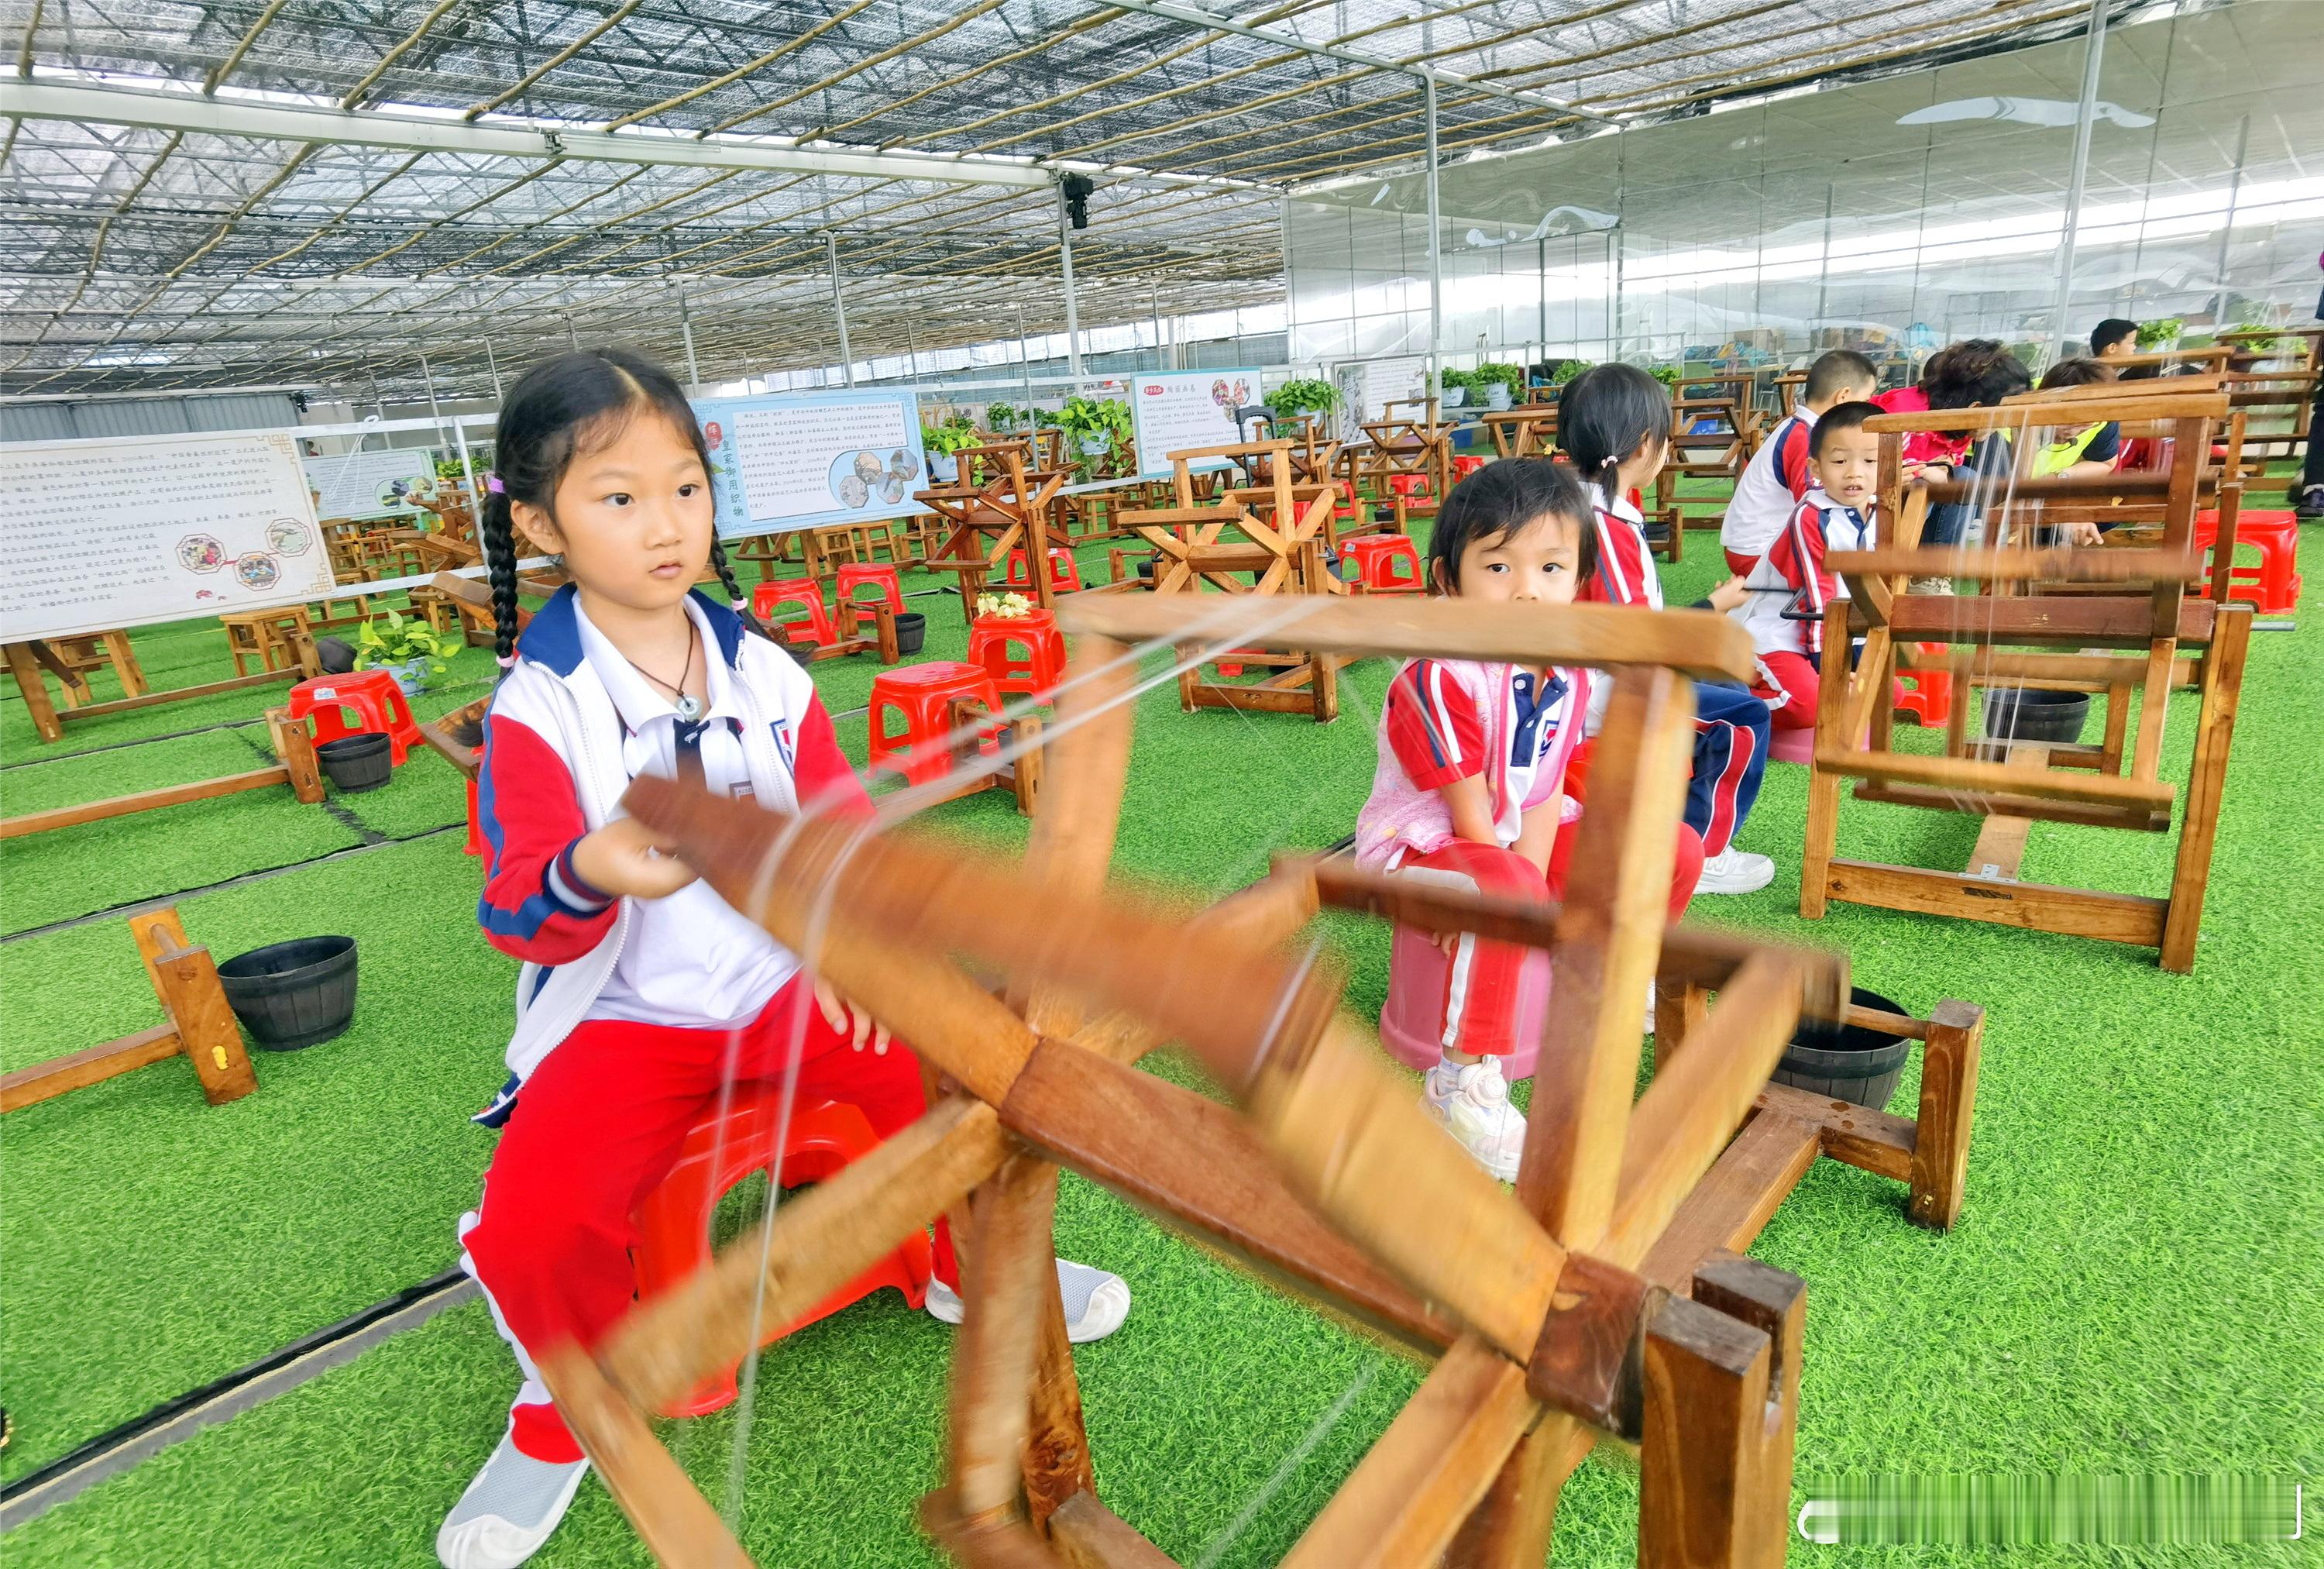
x: 1790, y: 586
x: 1777, y: 479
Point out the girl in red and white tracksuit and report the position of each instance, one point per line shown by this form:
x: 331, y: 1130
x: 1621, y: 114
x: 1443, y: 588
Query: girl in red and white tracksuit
x: 1791, y: 578
x: 1470, y: 790
x: 644, y: 997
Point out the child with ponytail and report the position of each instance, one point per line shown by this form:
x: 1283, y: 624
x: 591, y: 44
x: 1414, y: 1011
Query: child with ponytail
x: 643, y: 995
x: 1614, y: 425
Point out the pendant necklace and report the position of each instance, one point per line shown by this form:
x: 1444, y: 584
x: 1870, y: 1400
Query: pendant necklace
x: 688, y: 707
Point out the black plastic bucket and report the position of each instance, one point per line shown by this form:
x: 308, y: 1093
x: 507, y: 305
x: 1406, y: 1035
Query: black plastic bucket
x: 293, y: 994
x: 1846, y: 1062
x: 2025, y: 715
x: 358, y: 763
x: 911, y: 631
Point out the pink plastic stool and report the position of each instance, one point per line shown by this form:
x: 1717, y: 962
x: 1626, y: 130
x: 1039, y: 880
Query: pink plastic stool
x: 1791, y: 745
x: 673, y: 1221
x: 1412, y: 1024
x: 378, y: 704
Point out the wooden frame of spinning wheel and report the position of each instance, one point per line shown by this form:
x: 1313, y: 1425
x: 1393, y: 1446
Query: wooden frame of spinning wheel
x: 1331, y: 1179
x: 2087, y: 600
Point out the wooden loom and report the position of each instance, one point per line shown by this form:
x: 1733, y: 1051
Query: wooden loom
x: 2133, y: 599
x: 295, y: 766
x: 1281, y: 530
x: 1011, y: 511
x: 1332, y: 1178
x: 197, y: 1024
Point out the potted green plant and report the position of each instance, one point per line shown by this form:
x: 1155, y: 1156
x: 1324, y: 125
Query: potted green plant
x: 1502, y: 383
x: 2268, y: 345
x: 942, y: 441
x: 1097, y: 425
x: 1666, y: 374
x: 1307, y: 395
x: 2161, y: 333
x: 407, y: 646
x: 1000, y: 417
x: 1453, y: 387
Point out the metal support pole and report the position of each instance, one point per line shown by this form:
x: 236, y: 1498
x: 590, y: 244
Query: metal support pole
x: 1156, y: 296
x: 1072, y: 313
x: 693, y: 365
x: 378, y: 399
x: 911, y: 348
x: 839, y: 307
x: 1025, y: 365
x: 428, y: 380
x: 1823, y: 266
x: 1436, y: 257
x: 493, y: 365
x: 467, y: 462
x: 2093, y: 55
x: 572, y: 333
x: 2228, y: 229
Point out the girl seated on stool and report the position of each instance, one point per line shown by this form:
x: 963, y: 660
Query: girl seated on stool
x: 643, y: 994
x: 1470, y: 788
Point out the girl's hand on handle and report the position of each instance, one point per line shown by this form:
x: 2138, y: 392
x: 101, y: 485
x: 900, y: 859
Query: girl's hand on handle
x: 1728, y: 596
x: 861, y: 1028
x: 624, y: 858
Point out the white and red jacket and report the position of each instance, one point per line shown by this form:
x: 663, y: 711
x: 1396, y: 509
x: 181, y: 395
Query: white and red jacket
x: 1792, y: 575
x: 1770, y: 488
x: 557, y: 755
x: 1625, y: 564
x: 1453, y: 719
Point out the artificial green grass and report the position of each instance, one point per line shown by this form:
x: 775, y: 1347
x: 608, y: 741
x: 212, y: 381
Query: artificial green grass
x: 2132, y: 1287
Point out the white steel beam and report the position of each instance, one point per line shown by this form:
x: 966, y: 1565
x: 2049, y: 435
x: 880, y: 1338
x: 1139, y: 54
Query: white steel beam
x: 187, y: 112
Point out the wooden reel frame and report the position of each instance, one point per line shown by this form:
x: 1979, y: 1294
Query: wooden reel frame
x: 1284, y: 526
x: 1332, y: 1178
x: 2131, y: 599
x: 1012, y: 508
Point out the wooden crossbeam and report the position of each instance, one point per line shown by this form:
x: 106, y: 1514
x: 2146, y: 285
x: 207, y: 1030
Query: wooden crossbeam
x: 1972, y: 775
x: 2020, y: 566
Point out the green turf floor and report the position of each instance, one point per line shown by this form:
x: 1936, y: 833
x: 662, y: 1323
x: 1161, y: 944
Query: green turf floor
x: 2135, y: 1284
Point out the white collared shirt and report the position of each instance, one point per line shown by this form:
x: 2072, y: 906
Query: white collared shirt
x: 691, y: 959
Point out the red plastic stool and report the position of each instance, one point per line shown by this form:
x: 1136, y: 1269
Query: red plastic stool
x: 854, y: 575
x: 673, y: 1221
x: 1386, y: 563
x: 1065, y: 574
x: 1346, y: 511
x: 377, y: 703
x: 1928, y: 695
x: 476, y: 845
x: 924, y: 694
x: 1466, y: 465
x: 1408, y: 485
x: 992, y: 638
x: 2276, y: 537
x: 801, y: 591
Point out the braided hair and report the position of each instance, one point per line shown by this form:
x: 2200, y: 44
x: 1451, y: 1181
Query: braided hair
x: 560, y: 405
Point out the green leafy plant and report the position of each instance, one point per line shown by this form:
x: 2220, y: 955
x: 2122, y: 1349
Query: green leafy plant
x: 1566, y: 371
x: 1512, y: 377
x: 2153, y: 333
x: 396, y: 639
x: 1308, y: 395
x: 1085, y: 420
x: 1666, y: 374
x: 1002, y: 416
x: 2267, y: 345
x: 951, y: 437
x: 1467, y: 382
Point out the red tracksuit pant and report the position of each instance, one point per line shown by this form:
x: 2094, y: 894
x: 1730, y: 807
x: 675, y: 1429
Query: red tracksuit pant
x: 1481, y: 981
x: 596, y: 1126
x: 1796, y: 681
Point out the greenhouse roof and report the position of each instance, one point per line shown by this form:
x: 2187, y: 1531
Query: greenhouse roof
x: 238, y: 192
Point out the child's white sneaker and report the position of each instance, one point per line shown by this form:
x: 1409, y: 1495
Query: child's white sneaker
x: 1096, y: 1302
x: 508, y: 1512
x: 1733, y: 870
x: 1472, y: 1101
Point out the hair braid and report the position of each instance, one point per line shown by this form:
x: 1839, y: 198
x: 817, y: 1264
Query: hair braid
x: 500, y: 558
x: 726, y: 579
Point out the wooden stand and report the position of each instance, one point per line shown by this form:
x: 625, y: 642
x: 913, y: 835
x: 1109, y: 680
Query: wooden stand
x: 1010, y: 512
x: 1718, y: 453
x: 298, y: 770
x: 27, y: 660
x: 2131, y: 598
x: 1421, y: 443
x: 1279, y: 532
x: 1331, y: 1179
x: 199, y: 1026
x: 1530, y: 432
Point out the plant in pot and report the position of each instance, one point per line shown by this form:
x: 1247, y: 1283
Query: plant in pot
x: 1503, y: 383
x: 1566, y: 370
x: 404, y: 644
x: 1307, y: 395
x: 1455, y: 388
x: 1666, y: 374
x: 942, y: 442
x: 1094, y: 426
x: 2161, y: 333
x: 1000, y: 416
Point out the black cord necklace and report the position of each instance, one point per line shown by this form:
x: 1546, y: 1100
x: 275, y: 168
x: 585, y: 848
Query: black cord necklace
x: 689, y: 706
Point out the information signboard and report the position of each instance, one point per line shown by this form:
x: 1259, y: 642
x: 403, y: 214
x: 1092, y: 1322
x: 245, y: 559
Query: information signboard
x: 1179, y: 411
x: 788, y: 461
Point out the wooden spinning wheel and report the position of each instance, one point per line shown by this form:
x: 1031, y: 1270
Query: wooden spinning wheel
x: 1331, y: 1177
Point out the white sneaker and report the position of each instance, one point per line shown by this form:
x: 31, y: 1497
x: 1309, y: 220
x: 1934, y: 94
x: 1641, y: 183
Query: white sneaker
x: 1733, y: 870
x: 1472, y: 1101
x: 1096, y: 1302
x: 508, y: 1512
